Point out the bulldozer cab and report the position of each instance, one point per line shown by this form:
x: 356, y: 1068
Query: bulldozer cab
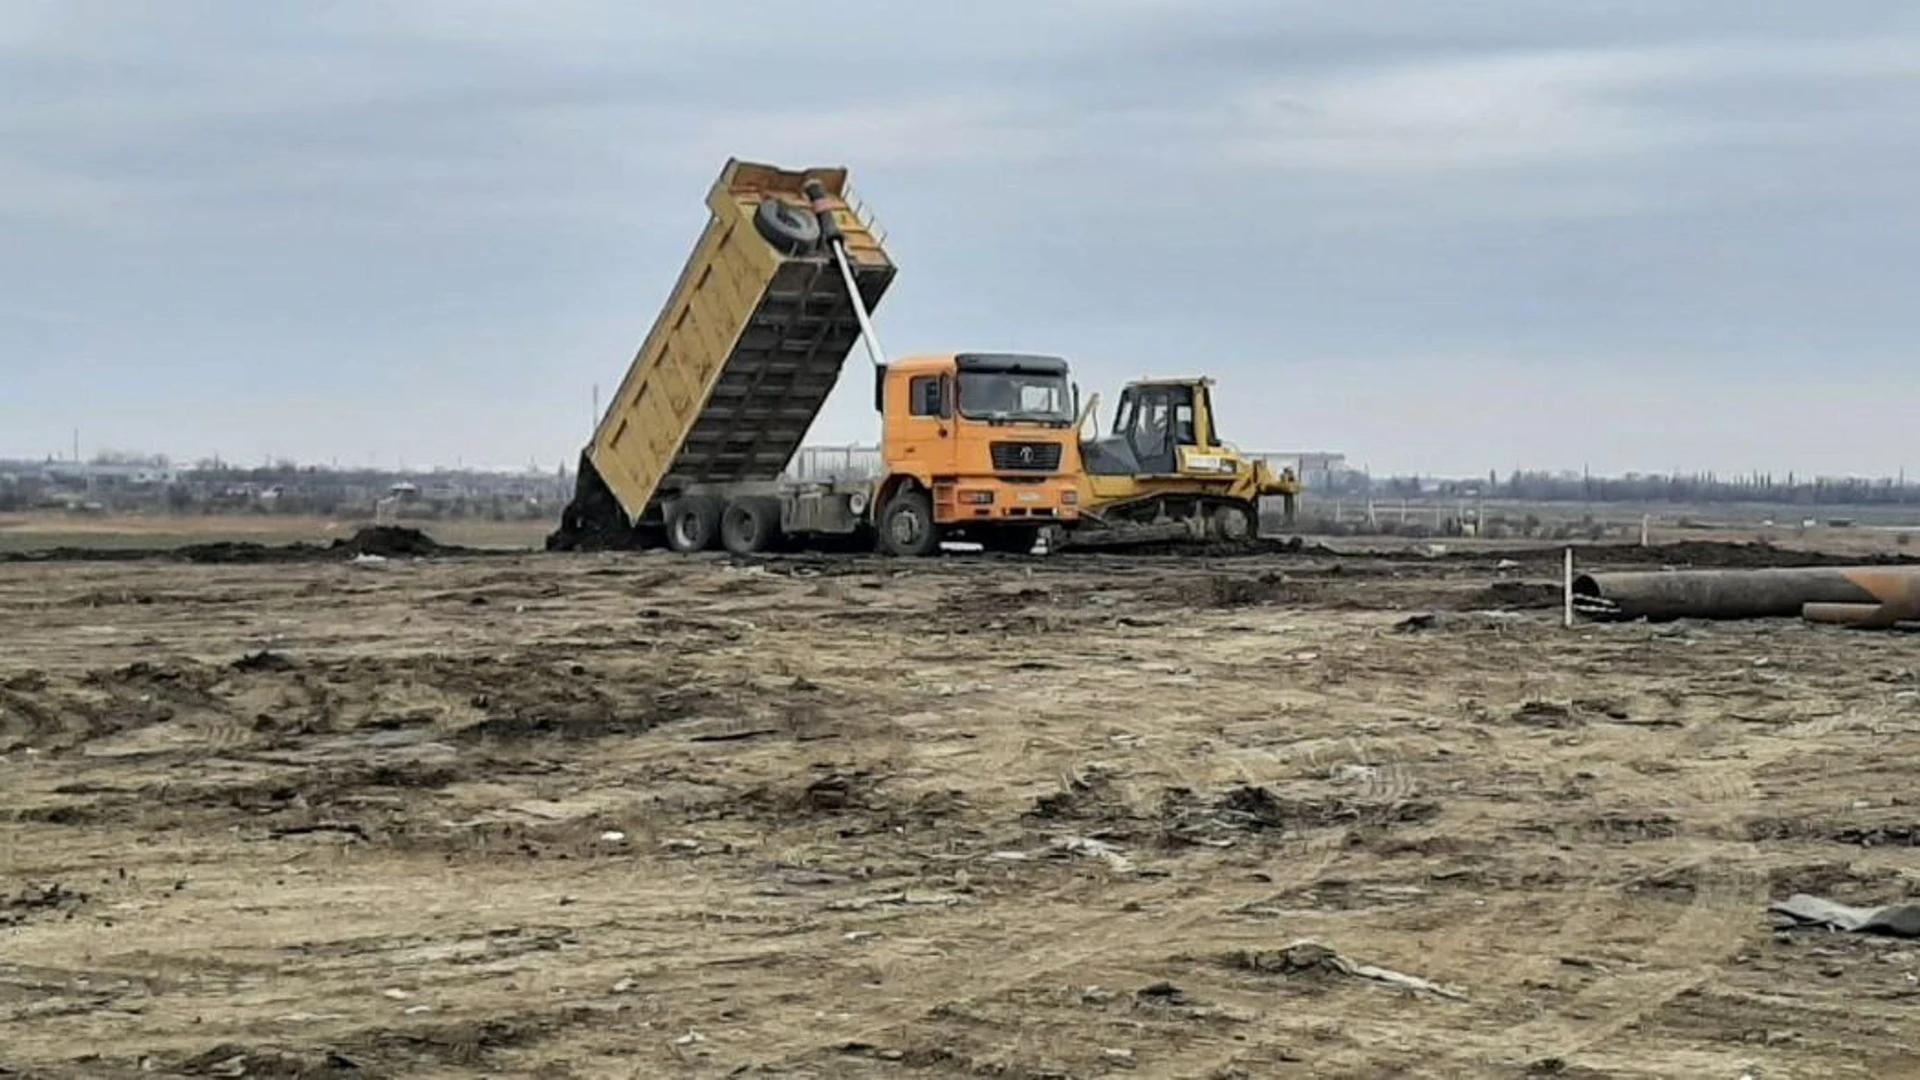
x: 1157, y: 425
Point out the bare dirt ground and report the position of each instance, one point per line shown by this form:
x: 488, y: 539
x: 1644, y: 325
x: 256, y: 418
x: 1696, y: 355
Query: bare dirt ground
x: 638, y: 815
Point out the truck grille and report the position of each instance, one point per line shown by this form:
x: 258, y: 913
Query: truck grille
x: 1032, y: 456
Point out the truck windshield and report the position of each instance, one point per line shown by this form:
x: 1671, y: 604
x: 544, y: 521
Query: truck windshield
x: 1002, y: 396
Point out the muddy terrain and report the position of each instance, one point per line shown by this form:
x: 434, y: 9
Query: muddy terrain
x: 363, y: 814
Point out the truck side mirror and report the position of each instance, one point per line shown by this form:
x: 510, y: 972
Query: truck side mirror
x: 880, y: 388
x: 946, y: 397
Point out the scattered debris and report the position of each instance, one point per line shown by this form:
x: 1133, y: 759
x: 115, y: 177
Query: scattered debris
x: 1458, y: 620
x: 33, y: 899
x: 1800, y: 909
x: 348, y: 828
x: 1308, y: 956
x: 1568, y: 713
x: 835, y: 791
x: 1096, y: 849
x: 1164, y: 993
x: 908, y: 897
x: 264, y: 660
x: 739, y: 734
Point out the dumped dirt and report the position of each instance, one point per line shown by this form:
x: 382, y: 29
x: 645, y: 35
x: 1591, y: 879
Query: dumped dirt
x: 382, y: 541
x: 632, y: 814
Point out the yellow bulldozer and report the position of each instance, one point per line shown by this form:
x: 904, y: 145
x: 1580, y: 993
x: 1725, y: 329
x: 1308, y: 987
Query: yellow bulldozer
x: 1162, y: 472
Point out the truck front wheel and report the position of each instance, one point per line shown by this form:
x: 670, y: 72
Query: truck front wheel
x: 906, y: 525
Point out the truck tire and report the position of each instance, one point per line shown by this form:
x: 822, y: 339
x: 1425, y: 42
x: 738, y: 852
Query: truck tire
x: 790, y: 229
x: 692, y: 523
x: 906, y: 525
x: 750, y: 526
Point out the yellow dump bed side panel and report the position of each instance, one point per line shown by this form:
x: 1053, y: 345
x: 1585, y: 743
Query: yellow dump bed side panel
x: 745, y: 352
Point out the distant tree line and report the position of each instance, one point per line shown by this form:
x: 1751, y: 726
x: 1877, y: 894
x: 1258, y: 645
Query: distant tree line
x: 279, y: 488
x: 1688, y: 488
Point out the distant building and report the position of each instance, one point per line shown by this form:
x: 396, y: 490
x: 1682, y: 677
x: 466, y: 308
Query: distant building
x: 112, y: 474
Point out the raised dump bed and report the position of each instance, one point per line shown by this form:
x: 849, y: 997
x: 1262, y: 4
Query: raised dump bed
x: 739, y: 361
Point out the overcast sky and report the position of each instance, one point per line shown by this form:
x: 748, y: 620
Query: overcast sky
x: 1440, y: 237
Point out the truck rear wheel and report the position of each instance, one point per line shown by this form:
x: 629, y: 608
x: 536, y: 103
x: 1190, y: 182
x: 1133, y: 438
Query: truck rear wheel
x: 692, y: 523
x: 750, y: 526
x: 906, y: 525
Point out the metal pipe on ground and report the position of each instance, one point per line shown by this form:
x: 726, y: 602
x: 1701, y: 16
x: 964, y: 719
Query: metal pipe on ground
x: 1783, y: 593
x: 1898, y: 597
x: 1861, y: 616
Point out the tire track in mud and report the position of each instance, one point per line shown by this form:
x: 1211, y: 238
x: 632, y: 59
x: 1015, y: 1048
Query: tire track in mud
x: 1388, y: 778
x: 1019, y: 966
x: 1729, y: 896
x: 1171, y: 912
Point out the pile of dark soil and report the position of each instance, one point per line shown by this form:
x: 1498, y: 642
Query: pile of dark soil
x: 387, y: 541
x: 392, y: 541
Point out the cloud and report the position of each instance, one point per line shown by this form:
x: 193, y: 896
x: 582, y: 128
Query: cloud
x: 1545, y: 107
x: 1494, y: 113
x: 488, y: 196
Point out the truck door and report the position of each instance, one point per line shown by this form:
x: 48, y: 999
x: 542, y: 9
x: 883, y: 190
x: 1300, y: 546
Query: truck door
x: 920, y: 435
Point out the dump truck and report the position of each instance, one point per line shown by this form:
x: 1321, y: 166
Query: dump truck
x: 690, y: 451
x: 1164, y: 474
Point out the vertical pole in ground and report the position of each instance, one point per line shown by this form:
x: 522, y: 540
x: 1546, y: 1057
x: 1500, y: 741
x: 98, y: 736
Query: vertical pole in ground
x: 1566, y: 592
x: 1646, y: 520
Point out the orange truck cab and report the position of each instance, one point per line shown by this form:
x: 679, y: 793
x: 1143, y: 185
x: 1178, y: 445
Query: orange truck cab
x: 977, y: 447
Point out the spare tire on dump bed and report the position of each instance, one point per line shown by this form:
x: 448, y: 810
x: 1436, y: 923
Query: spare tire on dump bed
x: 792, y: 230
